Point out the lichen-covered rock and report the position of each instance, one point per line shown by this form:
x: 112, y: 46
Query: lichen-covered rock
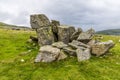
x: 85, y: 37
x: 38, y: 21
x: 76, y: 44
x: 45, y: 36
x: 59, y: 45
x: 63, y: 34
x: 101, y: 48
x: 75, y: 35
x: 83, y: 54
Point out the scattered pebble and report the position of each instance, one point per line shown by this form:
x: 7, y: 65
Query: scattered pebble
x: 22, y: 60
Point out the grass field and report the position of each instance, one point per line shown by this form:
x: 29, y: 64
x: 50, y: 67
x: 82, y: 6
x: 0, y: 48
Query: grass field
x: 14, y: 48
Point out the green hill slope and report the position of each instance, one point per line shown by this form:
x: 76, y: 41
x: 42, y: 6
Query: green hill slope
x: 9, y: 26
x: 110, y: 32
x: 17, y: 61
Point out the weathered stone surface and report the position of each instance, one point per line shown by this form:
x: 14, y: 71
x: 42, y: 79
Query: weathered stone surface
x: 86, y: 36
x: 75, y: 35
x: 45, y: 36
x: 83, y: 54
x: 62, y: 55
x: 59, y: 45
x: 54, y: 25
x: 38, y: 21
x: 47, y: 54
x: 63, y: 34
x: 101, y: 48
x: 76, y: 44
x: 69, y: 51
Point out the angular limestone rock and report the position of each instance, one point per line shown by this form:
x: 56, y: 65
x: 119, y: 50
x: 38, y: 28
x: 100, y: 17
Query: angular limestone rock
x: 101, y: 48
x: 47, y: 54
x: 59, y: 45
x: 69, y: 51
x: 75, y: 35
x: 83, y: 54
x: 86, y: 36
x: 63, y: 34
x: 38, y: 21
x: 76, y: 44
x: 45, y: 36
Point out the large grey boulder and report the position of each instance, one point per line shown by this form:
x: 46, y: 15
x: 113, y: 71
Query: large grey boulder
x: 59, y: 45
x: 101, y: 48
x: 86, y: 36
x: 83, y: 54
x: 45, y: 36
x: 75, y: 35
x: 38, y: 21
x: 76, y: 44
x: 49, y: 54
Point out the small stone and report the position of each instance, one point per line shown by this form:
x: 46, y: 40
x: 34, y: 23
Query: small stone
x: 22, y: 60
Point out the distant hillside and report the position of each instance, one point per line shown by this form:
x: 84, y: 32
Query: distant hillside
x: 9, y: 26
x: 110, y: 32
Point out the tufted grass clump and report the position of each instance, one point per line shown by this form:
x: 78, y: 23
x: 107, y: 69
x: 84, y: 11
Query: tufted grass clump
x: 17, y: 61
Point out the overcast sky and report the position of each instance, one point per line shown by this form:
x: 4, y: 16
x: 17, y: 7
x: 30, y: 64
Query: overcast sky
x: 98, y: 14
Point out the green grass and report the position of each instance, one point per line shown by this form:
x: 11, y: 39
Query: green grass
x: 13, y: 48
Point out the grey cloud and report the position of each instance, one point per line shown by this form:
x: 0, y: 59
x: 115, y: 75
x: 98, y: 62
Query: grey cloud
x: 99, y: 14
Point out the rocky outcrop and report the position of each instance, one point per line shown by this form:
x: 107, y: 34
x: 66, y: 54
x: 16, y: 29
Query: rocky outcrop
x: 58, y: 42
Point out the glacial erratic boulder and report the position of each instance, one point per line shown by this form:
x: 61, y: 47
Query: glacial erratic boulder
x: 38, y: 21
